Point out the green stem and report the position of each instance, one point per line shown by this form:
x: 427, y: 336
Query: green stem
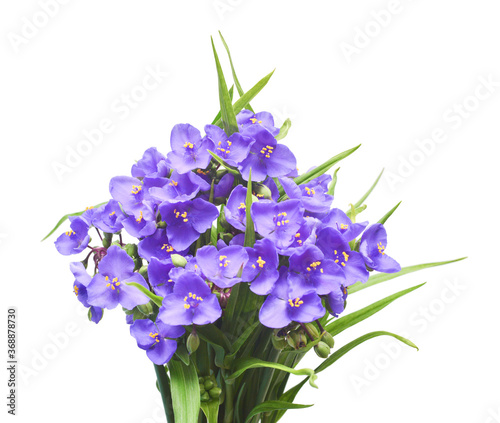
x: 229, y: 403
x: 166, y: 395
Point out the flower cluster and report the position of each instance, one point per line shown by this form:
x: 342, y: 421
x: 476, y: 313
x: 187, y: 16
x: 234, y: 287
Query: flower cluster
x: 189, y: 211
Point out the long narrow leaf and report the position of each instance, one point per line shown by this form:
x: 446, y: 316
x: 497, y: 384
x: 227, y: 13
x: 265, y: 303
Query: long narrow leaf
x: 235, y: 78
x: 325, y: 167
x: 284, y: 130
x: 254, y: 363
x: 333, y: 184
x: 383, y: 277
x: 185, y: 391
x: 67, y: 216
x: 249, y: 229
x: 268, y: 406
x: 349, y: 320
x: 227, y: 112
x: 217, y: 118
x: 211, y: 410
x: 389, y: 214
x: 155, y: 298
x: 364, y: 197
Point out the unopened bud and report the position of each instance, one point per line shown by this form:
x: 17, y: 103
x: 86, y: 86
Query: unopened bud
x: 205, y: 397
x: 279, y: 342
x: 322, y: 350
x: 202, y: 389
x: 193, y: 342
x: 146, y: 309
x: 107, y: 240
x: 327, y: 338
x: 215, y: 392
x: 161, y: 225
x: 143, y: 271
x: 311, y: 328
x: 178, y: 260
x: 261, y: 191
x: 131, y: 250
x: 209, y: 384
x: 297, y: 340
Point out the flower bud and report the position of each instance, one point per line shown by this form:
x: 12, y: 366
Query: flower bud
x: 138, y: 263
x: 205, y: 397
x: 161, y: 225
x: 131, y: 250
x: 143, y: 271
x: 178, y: 260
x: 322, y: 350
x: 227, y: 238
x: 202, y: 389
x: 297, y: 340
x: 279, y: 342
x: 261, y: 191
x: 146, y: 309
x: 107, y: 240
x: 193, y: 342
x: 215, y: 392
x: 311, y: 328
x: 209, y: 384
x: 328, y: 339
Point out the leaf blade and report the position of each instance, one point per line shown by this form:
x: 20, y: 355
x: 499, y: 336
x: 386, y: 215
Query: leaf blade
x: 274, y: 406
x: 185, y: 391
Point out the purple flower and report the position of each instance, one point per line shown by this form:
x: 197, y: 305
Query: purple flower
x: 179, y: 187
x: 224, y: 187
x: 372, y: 247
x: 312, y: 195
x: 262, y: 267
x: 338, y: 220
x: 157, y: 245
x: 109, y: 217
x: 159, y: 276
x: 129, y: 192
x: 82, y: 280
x: 247, y: 119
x: 235, y: 211
x: 232, y: 150
x: 191, y: 302
x: 267, y: 157
x: 278, y: 222
x: 222, y: 267
x: 309, y: 270
x: 187, y: 220
x: 335, y: 247
x: 285, y: 305
x: 152, y: 165
x: 336, y: 300
x: 108, y: 288
x: 144, y: 224
x: 153, y: 338
x: 75, y: 240
x: 189, y: 151
x: 304, y: 236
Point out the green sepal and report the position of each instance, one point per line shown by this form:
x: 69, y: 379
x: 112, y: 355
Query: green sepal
x: 284, y: 130
x: 333, y: 184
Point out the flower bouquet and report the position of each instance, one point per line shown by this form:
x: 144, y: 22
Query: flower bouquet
x: 239, y: 266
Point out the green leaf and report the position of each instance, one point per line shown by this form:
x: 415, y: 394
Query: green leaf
x: 155, y: 298
x: 230, y: 169
x: 249, y: 229
x: 242, y: 339
x: 235, y: 78
x: 211, y: 410
x: 185, y: 391
x: 389, y: 214
x: 218, y: 340
x: 217, y: 118
x: 349, y: 320
x: 321, y: 169
x: 163, y: 385
x: 183, y: 354
x: 284, y: 130
x: 383, y: 277
x: 228, y: 115
x: 268, y: 406
x: 333, y: 184
x: 241, y: 366
x: 63, y: 219
x: 364, y: 197
x: 290, y: 395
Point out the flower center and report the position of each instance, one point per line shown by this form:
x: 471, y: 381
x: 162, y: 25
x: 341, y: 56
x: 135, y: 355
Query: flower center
x: 70, y: 232
x: 136, y: 189
x: 281, y: 219
x: 173, y: 183
x: 183, y: 215
x: 267, y: 151
x: 381, y: 248
x: 76, y: 289
x: 168, y: 248
x: 341, y: 258
x: 316, y: 265
x: 187, y: 144
x: 113, y: 284
x: 310, y: 191
x: 224, y: 262
x: 224, y: 147
x: 191, y: 300
x: 260, y: 262
x: 139, y: 219
x: 155, y: 336
x: 254, y: 120
x: 295, y: 303
x: 297, y: 238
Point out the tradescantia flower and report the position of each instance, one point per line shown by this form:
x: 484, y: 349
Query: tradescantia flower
x: 142, y: 225
x: 234, y: 149
x: 187, y: 220
x: 191, y: 302
x: 109, y: 217
x: 157, y: 246
x: 189, y: 150
x: 153, y: 337
x: 372, y: 247
x: 247, y: 119
x: 235, y: 211
x: 222, y: 267
x: 336, y: 300
x: 288, y: 304
x: 75, y: 240
x: 262, y: 267
x: 179, y: 187
x: 82, y: 280
x: 338, y: 220
x: 108, y: 288
x: 152, y: 165
x: 159, y: 276
x: 309, y: 270
x: 267, y: 157
x: 336, y: 248
x: 304, y: 236
x: 312, y: 195
x: 130, y: 193
x: 278, y: 222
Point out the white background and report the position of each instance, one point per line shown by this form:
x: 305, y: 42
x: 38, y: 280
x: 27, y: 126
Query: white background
x: 340, y: 88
